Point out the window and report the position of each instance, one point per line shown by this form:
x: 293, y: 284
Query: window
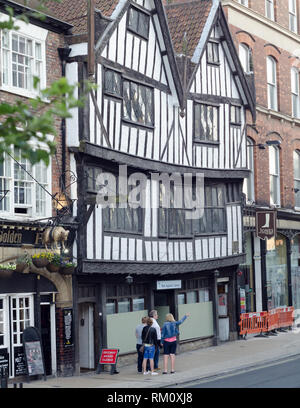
x: 272, y: 83
x: 194, y: 291
x: 213, y: 52
x: 173, y: 221
x: 23, y: 195
x: 243, y: 2
x: 138, y: 105
x: 248, y: 186
x: 295, y: 92
x: 138, y: 22
x: 123, y: 219
x: 124, y: 298
x: 293, y: 16
x: 296, y: 158
x: 274, y: 172
x: 235, y: 115
x: 206, y: 123
x: 270, y: 9
x: 23, y: 58
x: 245, y: 55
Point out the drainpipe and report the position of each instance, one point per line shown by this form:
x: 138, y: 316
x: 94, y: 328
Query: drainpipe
x: 63, y: 55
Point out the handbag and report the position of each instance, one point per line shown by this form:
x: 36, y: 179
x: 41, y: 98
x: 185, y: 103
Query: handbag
x: 142, y: 348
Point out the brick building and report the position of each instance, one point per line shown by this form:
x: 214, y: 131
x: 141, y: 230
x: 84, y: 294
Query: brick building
x: 31, y: 296
x: 266, y: 34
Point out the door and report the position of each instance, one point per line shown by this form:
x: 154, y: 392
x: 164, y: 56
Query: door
x: 46, y: 337
x: 164, y: 303
x: 86, y: 336
x: 223, y: 311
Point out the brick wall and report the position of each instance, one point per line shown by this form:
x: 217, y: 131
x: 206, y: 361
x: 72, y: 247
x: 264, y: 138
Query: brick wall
x: 65, y: 355
x: 271, y: 127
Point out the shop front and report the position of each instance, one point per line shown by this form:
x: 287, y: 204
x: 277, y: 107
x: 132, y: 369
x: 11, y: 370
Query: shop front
x: 111, y: 306
x: 31, y: 295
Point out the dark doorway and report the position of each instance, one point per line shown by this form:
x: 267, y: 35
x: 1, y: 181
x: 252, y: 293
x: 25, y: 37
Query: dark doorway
x: 46, y: 337
x: 164, y: 303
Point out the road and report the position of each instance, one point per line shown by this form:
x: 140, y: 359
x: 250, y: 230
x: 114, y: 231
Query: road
x: 285, y: 374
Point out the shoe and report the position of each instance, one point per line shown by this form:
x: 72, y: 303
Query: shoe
x: 165, y: 372
x: 172, y: 372
x: 154, y: 373
x: 146, y: 372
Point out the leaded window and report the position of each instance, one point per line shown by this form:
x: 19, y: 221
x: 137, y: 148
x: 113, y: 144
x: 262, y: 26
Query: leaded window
x: 206, y: 123
x: 213, y: 52
x: 123, y: 298
x: 138, y: 22
x: 138, y: 103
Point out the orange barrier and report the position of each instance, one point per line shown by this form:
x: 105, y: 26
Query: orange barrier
x: 286, y: 316
x: 253, y: 323
x: 266, y: 322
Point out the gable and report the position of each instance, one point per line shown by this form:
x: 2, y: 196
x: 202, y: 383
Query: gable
x: 143, y: 55
x: 217, y: 79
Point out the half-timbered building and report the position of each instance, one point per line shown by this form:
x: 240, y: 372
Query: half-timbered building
x: 155, y: 114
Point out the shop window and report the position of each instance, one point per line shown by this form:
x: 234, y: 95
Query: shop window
x: 295, y: 273
x: 2, y: 322
x: 124, y: 298
x: 246, y: 278
x: 276, y: 272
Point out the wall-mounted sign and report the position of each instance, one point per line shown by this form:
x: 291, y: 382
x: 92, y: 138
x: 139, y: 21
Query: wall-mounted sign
x: 68, y: 327
x: 18, y: 235
x: 168, y: 284
x: 265, y: 224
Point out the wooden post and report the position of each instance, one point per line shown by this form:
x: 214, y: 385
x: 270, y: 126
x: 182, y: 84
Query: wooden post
x: 91, y: 38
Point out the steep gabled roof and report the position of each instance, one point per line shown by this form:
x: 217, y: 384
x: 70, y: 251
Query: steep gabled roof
x: 186, y: 20
x: 190, y: 24
x: 75, y: 11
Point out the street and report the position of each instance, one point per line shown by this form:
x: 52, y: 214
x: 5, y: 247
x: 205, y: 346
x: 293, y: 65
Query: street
x: 285, y: 374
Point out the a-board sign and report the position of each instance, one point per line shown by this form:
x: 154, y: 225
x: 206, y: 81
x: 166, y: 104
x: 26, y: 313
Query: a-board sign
x: 34, y: 357
x: 20, y: 361
x: 33, y: 352
x: 108, y: 356
x: 4, y: 363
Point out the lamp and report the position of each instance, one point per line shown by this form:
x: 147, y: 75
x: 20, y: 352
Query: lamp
x: 129, y: 279
x: 60, y: 201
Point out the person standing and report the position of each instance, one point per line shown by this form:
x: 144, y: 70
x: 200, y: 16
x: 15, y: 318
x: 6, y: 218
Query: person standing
x: 169, y: 335
x: 149, y: 338
x: 139, y: 342
x: 154, y: 316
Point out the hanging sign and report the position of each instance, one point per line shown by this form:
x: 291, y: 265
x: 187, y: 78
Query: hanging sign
x: 265, y: 224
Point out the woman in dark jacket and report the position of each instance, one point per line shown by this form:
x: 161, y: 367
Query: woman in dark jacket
x: 149, y: 338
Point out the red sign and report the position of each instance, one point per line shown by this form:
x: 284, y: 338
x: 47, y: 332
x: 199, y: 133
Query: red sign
x: 265, y: 224
x: 109, y: 356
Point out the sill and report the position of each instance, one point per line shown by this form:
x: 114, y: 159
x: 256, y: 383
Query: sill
x: 137, y: 124
x: 19, y: 91
x: 206, y: 142
x: 214, y: 64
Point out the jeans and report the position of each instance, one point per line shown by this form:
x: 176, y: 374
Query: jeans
x: 140, y: 358
x: 156, y: 357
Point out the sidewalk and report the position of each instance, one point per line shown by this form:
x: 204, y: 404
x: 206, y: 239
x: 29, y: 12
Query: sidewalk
x: 191, y: 365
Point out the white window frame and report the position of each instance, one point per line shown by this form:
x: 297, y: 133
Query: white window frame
x: 269, y: 6
x: 296, y: 157
x: 9, y: 209
x: 274, y: 173
x: 293, y: 24
x: 36, y: 35
x: 244, y: 2
x: 295, y: 92
x: 272, y: 83
x: 248, y: 186
x: 245, y: 55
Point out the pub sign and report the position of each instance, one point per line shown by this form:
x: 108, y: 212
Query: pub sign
x: 265, y: 224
